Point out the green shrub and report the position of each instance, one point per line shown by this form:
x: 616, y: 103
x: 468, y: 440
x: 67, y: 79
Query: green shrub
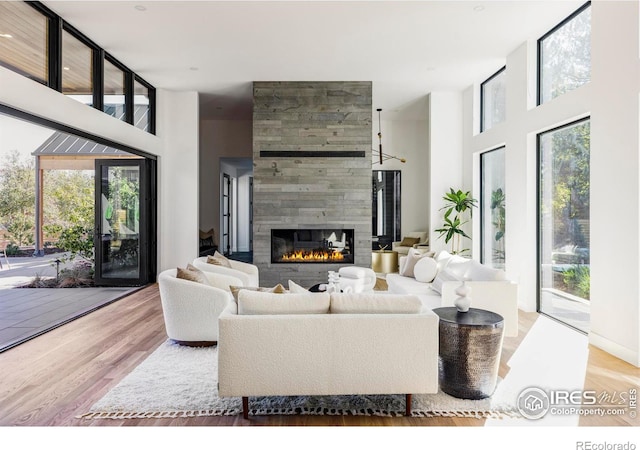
x: 578, y: 280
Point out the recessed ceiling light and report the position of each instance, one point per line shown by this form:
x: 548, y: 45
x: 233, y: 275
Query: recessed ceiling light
x: 8, y: 36
x: 66, y: 68
x: 140, y: 8
x: 478, y: 8
x: 194, y: 69
x: 219, y: 108
x: 431, y: 68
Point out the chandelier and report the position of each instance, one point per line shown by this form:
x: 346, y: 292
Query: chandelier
x: 379, y: 153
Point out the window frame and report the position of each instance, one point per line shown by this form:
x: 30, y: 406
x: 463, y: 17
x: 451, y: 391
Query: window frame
x: 539, y: 135
x: 482, y: 99
x: 568, y: 19
x: 483, y: 201
x: 55, y: 27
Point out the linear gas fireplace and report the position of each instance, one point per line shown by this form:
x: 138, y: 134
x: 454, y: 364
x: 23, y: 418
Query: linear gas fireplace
x: 329, y: 245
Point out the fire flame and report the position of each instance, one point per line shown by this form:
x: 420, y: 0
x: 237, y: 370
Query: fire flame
x: 313, y: 255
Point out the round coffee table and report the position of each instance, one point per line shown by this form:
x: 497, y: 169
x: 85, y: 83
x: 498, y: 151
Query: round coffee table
x: 470, y: 349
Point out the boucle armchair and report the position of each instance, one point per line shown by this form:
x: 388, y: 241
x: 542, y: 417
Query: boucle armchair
x: 247, y: 273
x: 422, y: 238
x: 191, y: 309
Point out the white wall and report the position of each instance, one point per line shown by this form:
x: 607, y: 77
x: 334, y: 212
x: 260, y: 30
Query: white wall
x: 611, y: 99
x: 445, y: 152
x: 407, y: 138
x: 175, y: 144
x: 219, y: 139
x: 177, y: 116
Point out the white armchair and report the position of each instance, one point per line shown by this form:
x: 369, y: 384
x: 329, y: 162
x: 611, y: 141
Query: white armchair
x: 191, y: 309
x: 423, y: 241
x: 247, y: 273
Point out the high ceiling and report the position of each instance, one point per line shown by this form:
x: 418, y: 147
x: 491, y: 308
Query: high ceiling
x: 407, y: 49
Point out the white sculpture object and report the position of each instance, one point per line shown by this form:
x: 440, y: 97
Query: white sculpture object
x: 463, y: 301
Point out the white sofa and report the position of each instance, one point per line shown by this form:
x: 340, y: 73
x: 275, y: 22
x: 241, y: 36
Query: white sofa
x: 490, y: 289
x: 334, y: 344
x: 247, y: 273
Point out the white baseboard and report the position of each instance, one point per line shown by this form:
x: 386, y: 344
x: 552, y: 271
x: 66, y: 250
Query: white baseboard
x: 617, y: 350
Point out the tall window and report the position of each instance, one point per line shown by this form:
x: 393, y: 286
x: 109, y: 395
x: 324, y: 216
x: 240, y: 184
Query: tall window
x: 141, y: 106
x: 564, y: 56
x: 564, y: 195
x: 493, y: 100
x: 492, y: 207
x: 23, y: 40
x: 77, y: 69
x: 114, y: 81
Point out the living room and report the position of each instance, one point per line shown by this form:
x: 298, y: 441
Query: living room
x: 438, y: 132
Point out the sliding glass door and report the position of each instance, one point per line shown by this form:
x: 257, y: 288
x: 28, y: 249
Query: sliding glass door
x: 122, y: 222
x: 563, y: 224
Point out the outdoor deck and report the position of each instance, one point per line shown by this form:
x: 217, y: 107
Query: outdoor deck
x: 27, y: 313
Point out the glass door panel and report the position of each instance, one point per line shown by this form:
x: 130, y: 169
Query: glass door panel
x: 121, y: 222
x: 564, y: 197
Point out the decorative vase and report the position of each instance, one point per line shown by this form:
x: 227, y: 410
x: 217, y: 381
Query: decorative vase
x: 463, y: 301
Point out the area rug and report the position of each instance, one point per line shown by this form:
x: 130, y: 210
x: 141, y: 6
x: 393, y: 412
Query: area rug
x: 179, y: 381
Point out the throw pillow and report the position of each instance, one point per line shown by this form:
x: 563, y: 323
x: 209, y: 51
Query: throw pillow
x: 296, y: 288
x: 277, y: 289
x: 409, y: 241
x: 192, y: 275
x: 425, y: 270
x: 218, y: 260
x: 480, y: 272
x: 443, y: 275
x: 410, y: 262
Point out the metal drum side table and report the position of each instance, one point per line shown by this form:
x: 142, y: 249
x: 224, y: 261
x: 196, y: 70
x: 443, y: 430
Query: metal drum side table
x: 384, y: 261
x: 470, y: 349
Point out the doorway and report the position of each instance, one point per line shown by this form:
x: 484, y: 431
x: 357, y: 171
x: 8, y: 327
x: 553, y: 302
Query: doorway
x: 236, y: 207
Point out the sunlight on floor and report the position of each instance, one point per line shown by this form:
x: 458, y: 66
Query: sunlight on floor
x: 551, y: 356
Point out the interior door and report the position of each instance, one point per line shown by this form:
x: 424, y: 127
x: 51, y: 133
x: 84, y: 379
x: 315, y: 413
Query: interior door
x: 226, y: 214
x: 121, y: 238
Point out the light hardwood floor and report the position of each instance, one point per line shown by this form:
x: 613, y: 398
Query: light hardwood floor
x: 50, y: 380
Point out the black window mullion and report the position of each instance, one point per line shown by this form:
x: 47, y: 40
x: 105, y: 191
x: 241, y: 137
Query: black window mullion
x: 98, y: 79
x: 55, y: 53
x: 128, y: 96
x: 152, y: 110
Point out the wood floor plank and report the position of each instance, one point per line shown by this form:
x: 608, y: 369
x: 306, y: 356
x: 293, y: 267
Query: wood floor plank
x: 50, y: 380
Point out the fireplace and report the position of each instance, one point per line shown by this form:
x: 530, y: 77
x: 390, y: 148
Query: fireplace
x: 330, y: 245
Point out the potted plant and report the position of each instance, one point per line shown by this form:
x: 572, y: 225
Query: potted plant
x: 460, y: 203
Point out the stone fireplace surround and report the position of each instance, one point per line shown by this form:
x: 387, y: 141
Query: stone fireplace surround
x: 312, y: 169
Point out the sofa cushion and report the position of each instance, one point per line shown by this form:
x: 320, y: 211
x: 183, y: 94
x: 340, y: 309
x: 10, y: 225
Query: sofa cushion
x: 480, y: 272
x: 425, y: 269
x: 191, y: 273
x: 263, y: 303
x: 375, y: 304
x: 443, y: 275
x: 277, y: 289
